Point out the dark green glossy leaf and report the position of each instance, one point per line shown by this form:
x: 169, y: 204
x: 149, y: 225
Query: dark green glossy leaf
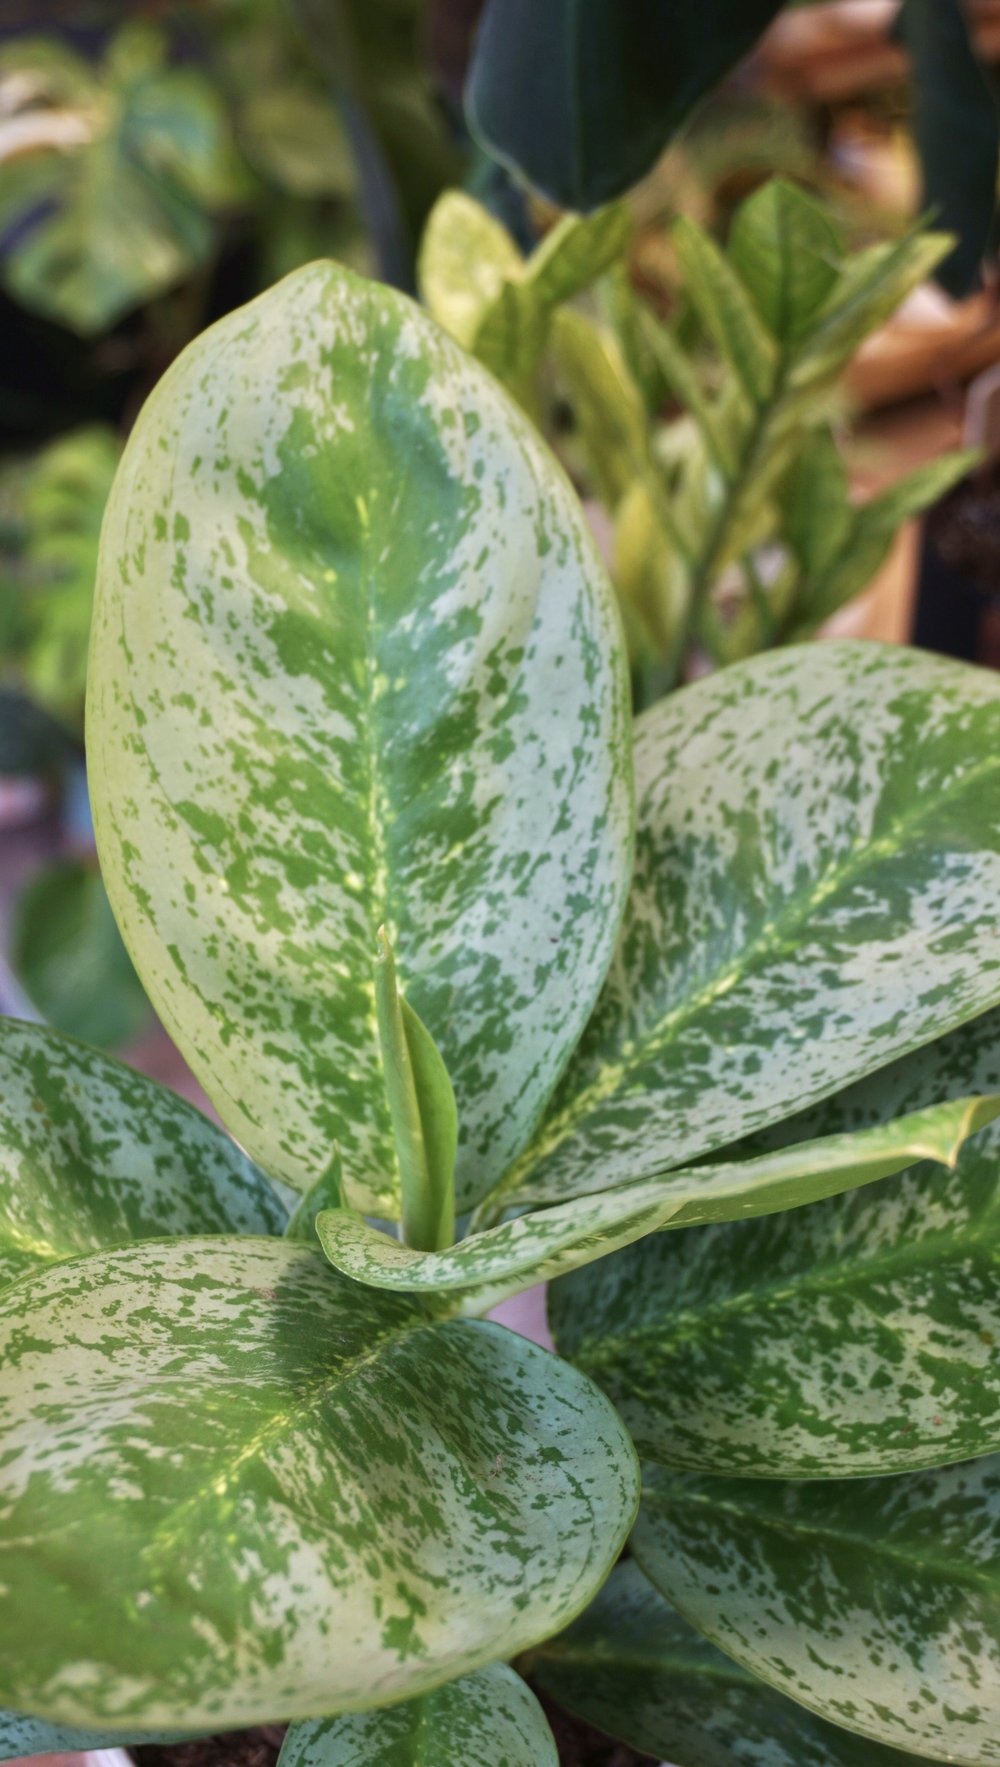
x: 818, y: 858
x: 855, y: 1336
x: 485, y: 1720
x: 874, y: 1602
x: 68, y: 956
x: 957, y: 131
x: 581, y: 96
x: 632, y: 1667
x: 332, y: 528
x: 238, y: 1487
x: 93, y: 1154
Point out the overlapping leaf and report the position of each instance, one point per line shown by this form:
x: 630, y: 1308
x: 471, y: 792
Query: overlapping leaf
x: 631, y: 1666
x: 93, y: 1154
x: 873, y: 1602
x: 817, y: 861
x: 272, y: 1492
x: 487, y: 1267
x: 852, y: 1337
x: 489, y: 1719
x: 317, y: 708
x: 581, y: 96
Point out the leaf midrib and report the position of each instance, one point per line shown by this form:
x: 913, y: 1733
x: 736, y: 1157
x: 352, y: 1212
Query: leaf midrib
x: 768, y: 943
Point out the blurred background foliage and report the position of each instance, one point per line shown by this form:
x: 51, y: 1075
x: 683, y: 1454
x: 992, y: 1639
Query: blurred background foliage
x: 670, y: 255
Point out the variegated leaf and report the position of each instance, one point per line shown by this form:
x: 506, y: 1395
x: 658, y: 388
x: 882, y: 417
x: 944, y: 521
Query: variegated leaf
x: 817, y: 873
x: 489, y: 1719
x: 20, y: 1736
x: 487, y: 1267
x: 236, y: 1487
x: 356, y: 662
x: 874, y: 1602
x: 93, y: 1154
x: 853, y: 1337
x: 631, y: 1666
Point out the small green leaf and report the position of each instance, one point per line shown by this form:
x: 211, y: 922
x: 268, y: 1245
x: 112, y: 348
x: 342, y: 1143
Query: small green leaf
x: 466, y: 258
x: 825, y: 906
x: 333, y: 527
x: 633, y: 1668
x: 272, y: 1491
x: 421, y: 1110
x: 787, y: 251
x: 21, y: 1736
x: 68, y: 956
x: 489, y: 1266
x: 575, y: 252
x: 485, y: 1720
x: 725, y: 309
x: 873, y: 1602
x: 606, y: 403
x: 93, y: 1154
x: 873, y: 284
x: 326, y: 1193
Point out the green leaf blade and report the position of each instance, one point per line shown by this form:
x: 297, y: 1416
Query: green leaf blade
x: 873, y: 1602
x: 785, y: 936
x: 190, y: 1427
x: 93, y: 1154
x: 633, y: 1668
x: 489, y: 1719
x: 332, y: 527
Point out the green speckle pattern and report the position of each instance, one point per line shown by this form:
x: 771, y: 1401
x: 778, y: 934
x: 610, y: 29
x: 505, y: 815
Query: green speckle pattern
x: 237, y: 1487
x: 485, y: 1720
x: 631, y: 1666
x: 93, y: 1154
x: 356, y: 661
x: 487, y: 1267
x: 817, y: 873
x: 874, y: 1602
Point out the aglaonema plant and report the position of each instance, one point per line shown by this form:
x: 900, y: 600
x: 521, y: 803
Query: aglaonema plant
x: 487, y: 989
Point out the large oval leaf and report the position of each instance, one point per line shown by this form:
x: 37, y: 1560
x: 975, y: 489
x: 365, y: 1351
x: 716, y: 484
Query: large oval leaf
x: 874, y: 1602
x: 356, y: 661
x: 93, y: 1154
x: 237, y: 1487
x: 487, y: 1267
x: 818, y: 861
x: 631, y: 1666
x: 489, y: 1719
x: 851, y: 1337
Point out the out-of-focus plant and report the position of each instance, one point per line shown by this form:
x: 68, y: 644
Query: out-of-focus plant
x: 66, y: 951
x: 581, y: 97
x: 54, y: 509
x: 113, y: 175
x: 734, y: 527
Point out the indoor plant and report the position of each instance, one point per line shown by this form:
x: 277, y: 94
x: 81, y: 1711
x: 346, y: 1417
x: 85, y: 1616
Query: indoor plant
x: 356, y: 667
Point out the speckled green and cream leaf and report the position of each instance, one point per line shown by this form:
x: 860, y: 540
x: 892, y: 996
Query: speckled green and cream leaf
x: 817, y: 870
x: 273, y: 1493
x: 633, y: 1668
x: 20, y: 1736
x: 856, y: 1336
x: 873, y: 1602
x: 356, y: 662
x: 489, y: 1719
x: 93, y: 1154
x: 489, y: 1266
